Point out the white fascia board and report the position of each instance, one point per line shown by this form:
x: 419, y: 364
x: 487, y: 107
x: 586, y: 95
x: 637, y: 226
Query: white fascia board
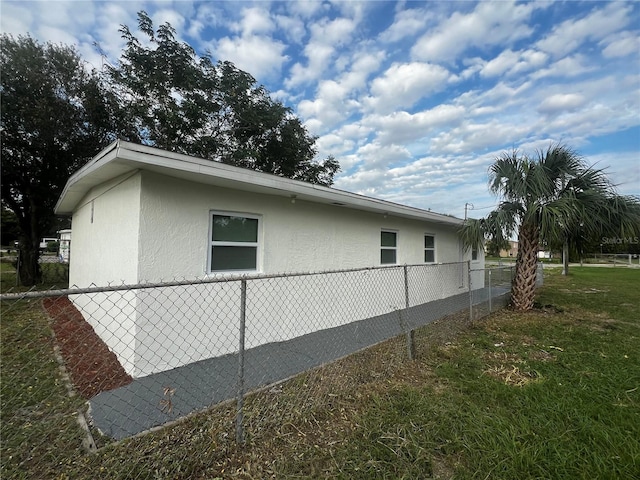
x: 83, y: 180
x: 121, y: 157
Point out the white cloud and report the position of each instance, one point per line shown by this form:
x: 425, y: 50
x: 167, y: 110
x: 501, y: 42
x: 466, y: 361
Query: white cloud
x: 364, y: 65
x: 530, y: 59
x: 491, y: 23
x: 305, y: 8
x: 206, y: 15
x: 261, y: 56
x: 476, y: 137
x: 336, y: 100
x: 417, y: 125
x: 406, y: 23
x: 172, y: 17
x: 404, y: 84
x: 621, y: 45
x: 501, y: 64
x: 17, y: 19
x: 510, y: 62
x: 623, y: 170
x: 334, y: 144
x: 328, y: 108
x: 326, y: 35
x: 318, y: 56
x: 405, y: 127
x: 374, y: 154
x: 561, y: 102
x: 293, y: 28
x: 440, y: 183
x: 254, y: 21
x: 57, y: 35
x: 567, y: 67
x: 571, y: 34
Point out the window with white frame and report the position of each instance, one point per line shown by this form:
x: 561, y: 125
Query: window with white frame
x: 429, y: 248
x: 234, y: 242
x: 388, y: 247
x: 474, y: 253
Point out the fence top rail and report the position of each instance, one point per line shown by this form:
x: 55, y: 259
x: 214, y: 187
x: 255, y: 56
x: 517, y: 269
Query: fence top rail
x: 493, y: 267
x: 227, y: 278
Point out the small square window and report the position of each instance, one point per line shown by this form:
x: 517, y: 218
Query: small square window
x: 234, y: 243
x: 388, y: 247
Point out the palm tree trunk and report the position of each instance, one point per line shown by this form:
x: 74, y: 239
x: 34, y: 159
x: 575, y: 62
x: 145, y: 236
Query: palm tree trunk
x: 524, y: 284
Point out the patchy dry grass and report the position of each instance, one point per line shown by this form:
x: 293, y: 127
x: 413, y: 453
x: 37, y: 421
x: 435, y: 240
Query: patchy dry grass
x: 553, y: 393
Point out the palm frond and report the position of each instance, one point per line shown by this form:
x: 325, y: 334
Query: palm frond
x: 555, y: 219
x: 503, y: 221
x: 473, y: 233
x: 591, y: 179
x: 506, y: 175
x: 560, y: 161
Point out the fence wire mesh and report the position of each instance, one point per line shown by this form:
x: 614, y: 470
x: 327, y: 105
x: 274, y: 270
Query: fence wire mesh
x: 214, y: 362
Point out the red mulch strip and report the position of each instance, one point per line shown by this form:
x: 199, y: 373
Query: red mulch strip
x: 93, y: 368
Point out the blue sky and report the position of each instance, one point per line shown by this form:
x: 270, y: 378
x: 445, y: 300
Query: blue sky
x: 415, y: 99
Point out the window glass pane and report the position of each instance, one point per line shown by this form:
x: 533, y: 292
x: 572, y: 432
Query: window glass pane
x: 388, y: 239
x: 429, y: 256
x: 233, y: 258
x: 387, y: 256
x: 429, y: 241
x: 235, y: 229
x: 474, y: 254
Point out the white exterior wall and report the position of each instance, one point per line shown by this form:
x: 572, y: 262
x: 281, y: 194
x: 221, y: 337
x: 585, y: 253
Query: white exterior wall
x: 179, y: 325
x: 149, y: 227
x: 105, y: 234
x: 296, y: 237
x: 105, y: 251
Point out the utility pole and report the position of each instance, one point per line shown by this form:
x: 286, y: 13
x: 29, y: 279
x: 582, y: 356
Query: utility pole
x: 465, y: 209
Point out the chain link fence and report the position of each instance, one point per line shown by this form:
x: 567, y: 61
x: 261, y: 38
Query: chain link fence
x: 621, y: 259
x: 93, y: 366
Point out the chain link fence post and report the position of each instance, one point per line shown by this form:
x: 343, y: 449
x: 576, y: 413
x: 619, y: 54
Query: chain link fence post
x: 408, y: 329
x: 240, y: 401
x: 470, y: 291
x: 490, y: 294
x: 18, y: 267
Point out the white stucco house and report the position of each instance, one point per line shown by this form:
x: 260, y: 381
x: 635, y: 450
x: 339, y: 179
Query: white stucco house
x: 141, y: 214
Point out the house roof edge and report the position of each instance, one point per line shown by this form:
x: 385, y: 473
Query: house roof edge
x: 131, y: 156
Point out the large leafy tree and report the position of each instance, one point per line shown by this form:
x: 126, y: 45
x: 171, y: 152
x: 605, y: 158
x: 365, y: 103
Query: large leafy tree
x: 186, y: 103
x: 549, y: 198
x: 54, y: 117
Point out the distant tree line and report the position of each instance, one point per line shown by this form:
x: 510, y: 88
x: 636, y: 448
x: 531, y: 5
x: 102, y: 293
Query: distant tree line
x: 57, y: 114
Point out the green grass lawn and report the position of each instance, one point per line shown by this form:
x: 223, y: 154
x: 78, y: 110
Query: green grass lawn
x: 54, y: 275
x: 550, y: 394
x: 554, y: 393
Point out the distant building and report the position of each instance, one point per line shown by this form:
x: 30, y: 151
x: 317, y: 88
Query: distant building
x: 64, y: 248
x: 45, y: 241
x: 512, y: 251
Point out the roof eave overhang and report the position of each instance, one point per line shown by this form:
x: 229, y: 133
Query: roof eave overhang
x: 120, y: 158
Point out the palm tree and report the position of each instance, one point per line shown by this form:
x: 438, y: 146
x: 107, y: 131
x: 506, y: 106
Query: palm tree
x: 547, y: 199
